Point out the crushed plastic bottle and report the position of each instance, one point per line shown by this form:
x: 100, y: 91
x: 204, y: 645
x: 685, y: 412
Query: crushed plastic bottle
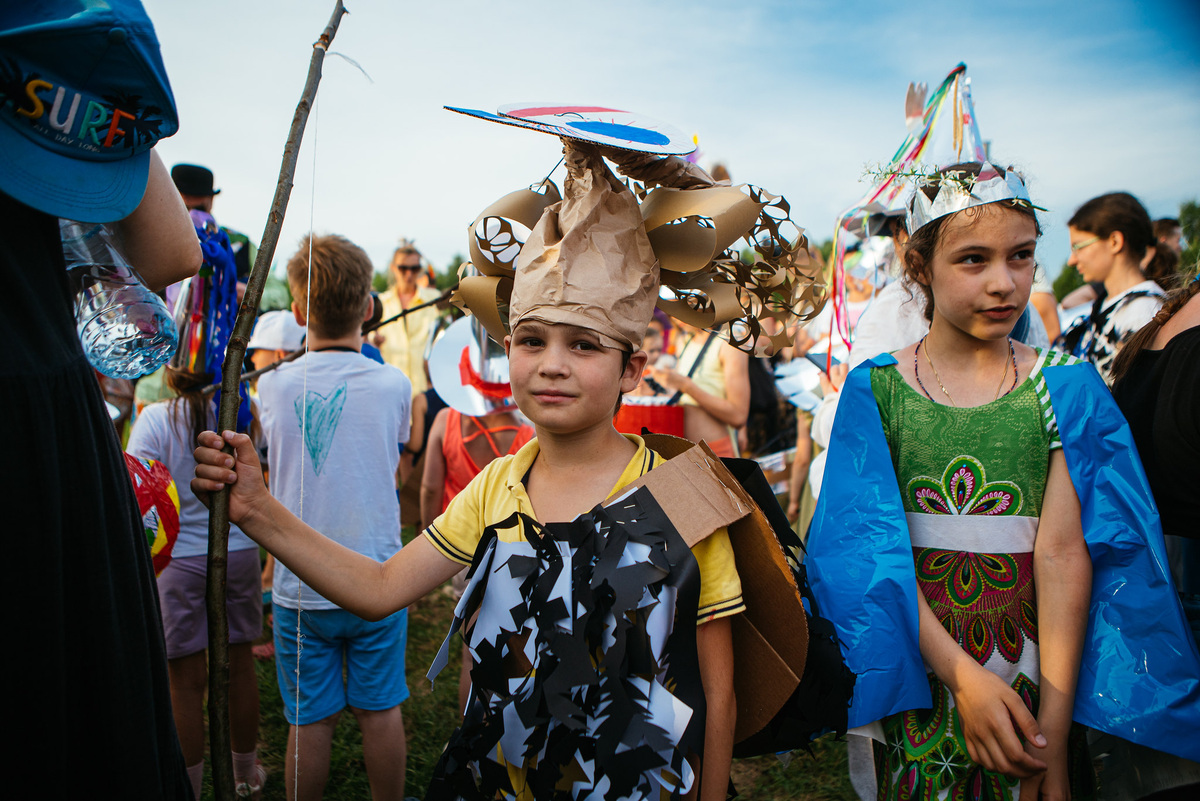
x: 125, y: 329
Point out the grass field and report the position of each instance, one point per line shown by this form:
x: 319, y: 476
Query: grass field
x: 431, y: 714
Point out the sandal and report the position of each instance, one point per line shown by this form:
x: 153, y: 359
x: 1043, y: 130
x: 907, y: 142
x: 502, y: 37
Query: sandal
x: 246, y: 790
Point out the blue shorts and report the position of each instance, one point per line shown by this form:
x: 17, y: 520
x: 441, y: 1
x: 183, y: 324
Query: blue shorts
x: 373, y: 655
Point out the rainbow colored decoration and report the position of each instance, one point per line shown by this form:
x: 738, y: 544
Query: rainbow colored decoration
x: 207, y: 303
x: 158, y: 504
x: 206, y: 309
x: 948, y: 134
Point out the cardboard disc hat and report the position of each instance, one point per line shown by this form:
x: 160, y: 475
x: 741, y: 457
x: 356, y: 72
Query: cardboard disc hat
x: 599, y: 125
x: 604, y: 252
x: 469, y: 370
x: 83, y: 98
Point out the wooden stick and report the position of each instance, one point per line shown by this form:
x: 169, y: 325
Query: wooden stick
x: 218, y: 520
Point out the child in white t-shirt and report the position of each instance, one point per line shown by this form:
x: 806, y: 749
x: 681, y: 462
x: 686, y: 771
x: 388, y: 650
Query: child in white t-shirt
x: 335, y: 423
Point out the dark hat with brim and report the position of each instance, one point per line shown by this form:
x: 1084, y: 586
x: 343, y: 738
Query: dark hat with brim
x: 192, y: 179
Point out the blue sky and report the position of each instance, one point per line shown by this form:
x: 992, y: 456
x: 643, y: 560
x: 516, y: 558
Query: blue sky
x: 793, y: 96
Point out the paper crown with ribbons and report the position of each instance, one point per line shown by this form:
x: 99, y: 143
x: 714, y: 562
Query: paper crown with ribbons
x: 959, y: 189
x: 947, y: 132
x: 605, y: 252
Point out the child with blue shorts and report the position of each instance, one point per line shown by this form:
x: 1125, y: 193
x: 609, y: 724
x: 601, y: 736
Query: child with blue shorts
x: 334, y: 421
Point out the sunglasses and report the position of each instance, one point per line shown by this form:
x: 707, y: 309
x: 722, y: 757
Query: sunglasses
x: 410, y: 268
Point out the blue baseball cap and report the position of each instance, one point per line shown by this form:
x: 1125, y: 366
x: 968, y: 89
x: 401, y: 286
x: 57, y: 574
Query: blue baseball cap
x: 83, y: 98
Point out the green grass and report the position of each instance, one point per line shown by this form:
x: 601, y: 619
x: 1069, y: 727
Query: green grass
x: 821, y: 776
x: 430, y: 715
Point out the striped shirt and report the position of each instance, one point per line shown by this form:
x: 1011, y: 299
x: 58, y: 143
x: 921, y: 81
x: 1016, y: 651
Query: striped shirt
x: 499, y: 491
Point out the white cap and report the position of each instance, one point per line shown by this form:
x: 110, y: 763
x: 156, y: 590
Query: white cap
x: 277, y: 330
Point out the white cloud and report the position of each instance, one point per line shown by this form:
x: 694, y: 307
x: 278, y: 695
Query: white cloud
x: 793, y: 96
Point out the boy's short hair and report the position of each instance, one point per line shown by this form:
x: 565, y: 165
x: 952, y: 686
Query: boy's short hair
x: 341, y: 284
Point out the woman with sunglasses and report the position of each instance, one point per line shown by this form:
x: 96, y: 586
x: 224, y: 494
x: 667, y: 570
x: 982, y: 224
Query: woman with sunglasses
x: 1111, y: 239
x: 403, y: 342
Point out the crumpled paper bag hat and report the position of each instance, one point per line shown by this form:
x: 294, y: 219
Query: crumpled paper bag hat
x: 588, y: 261
x: 696, y: 229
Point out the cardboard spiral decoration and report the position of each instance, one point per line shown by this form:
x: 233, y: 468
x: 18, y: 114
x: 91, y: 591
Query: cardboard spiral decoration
x: 697, y: 234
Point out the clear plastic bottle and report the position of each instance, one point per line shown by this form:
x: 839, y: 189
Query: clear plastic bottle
x: 125, y: 329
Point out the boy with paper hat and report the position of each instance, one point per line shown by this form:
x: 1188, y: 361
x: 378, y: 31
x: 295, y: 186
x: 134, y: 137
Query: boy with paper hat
x: 603, y: 645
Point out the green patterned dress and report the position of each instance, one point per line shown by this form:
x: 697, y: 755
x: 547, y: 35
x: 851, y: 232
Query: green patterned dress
x: 972, y: 482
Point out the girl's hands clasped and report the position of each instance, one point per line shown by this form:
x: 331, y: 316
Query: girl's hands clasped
x: 1052, y: 785
x: 241, y: 471
x: 994, y: 718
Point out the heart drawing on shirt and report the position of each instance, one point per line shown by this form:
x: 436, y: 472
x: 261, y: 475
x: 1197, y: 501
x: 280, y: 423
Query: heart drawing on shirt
x: 323, y: 413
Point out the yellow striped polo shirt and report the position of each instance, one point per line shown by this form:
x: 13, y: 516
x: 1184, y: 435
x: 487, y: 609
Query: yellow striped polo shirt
x: 499, y: 491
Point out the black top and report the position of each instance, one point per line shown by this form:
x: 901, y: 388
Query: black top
x: 89, y: 675
x: 1160, y: 396
x: 433, y: 405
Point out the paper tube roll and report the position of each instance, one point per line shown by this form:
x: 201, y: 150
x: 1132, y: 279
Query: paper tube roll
x: 482, y: 296
x: 524, y: 206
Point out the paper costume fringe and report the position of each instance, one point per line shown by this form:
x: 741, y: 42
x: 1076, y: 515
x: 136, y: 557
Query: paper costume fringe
x: 586, y: 682
x: 207, y: 303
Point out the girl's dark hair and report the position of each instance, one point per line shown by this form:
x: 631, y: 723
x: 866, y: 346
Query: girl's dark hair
x: 923, y: 243
x: 1165, y: 227
x: 1174, y: 301
x: 1121, y: 211
x: 193, y: 404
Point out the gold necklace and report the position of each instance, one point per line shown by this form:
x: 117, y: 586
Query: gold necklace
x: 937, y: 377
x: 1012, y: 356
x: 1000, y: 386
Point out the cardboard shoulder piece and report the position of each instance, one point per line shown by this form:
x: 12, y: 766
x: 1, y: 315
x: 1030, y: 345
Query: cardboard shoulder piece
x: 770, y: 639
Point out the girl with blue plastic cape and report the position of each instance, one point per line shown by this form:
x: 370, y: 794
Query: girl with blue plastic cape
x: 1139, y: 677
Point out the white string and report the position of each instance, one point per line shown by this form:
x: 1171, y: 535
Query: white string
x: 312, y: 202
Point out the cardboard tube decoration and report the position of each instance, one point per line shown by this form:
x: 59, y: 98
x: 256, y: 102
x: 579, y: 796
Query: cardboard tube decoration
x: 589, y: 258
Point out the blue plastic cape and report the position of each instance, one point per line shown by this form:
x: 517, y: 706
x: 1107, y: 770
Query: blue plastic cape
x: 1139, y: 677
x: 860, y: 562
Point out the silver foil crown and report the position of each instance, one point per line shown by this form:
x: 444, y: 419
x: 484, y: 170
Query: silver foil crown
x: 962, y: 190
